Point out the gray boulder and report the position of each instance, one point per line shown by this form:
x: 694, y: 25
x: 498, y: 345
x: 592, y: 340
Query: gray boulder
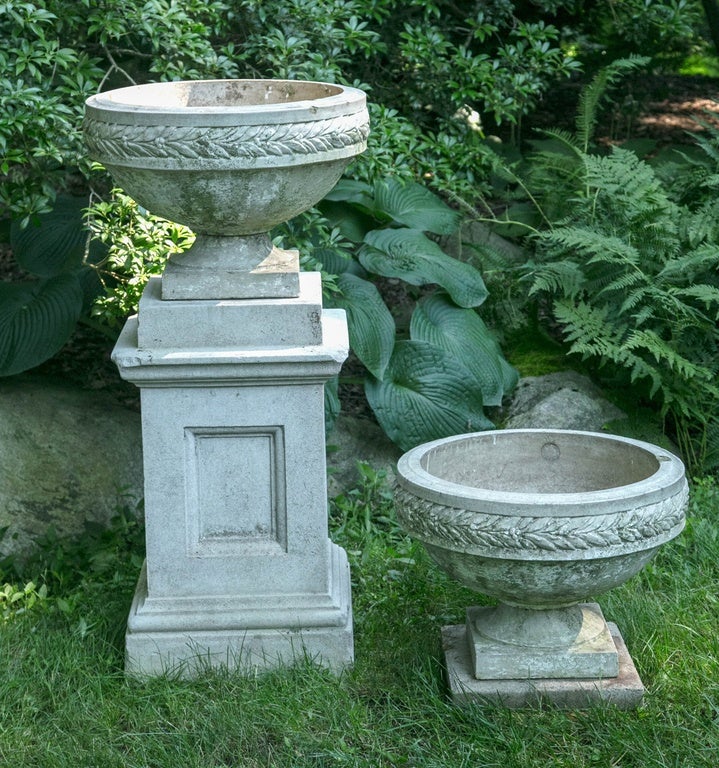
x: 357, y: 439
x: 565, y: 400
x: 69, y: 457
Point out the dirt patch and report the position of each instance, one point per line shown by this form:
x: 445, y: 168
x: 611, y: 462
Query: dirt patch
x: 663, y: 108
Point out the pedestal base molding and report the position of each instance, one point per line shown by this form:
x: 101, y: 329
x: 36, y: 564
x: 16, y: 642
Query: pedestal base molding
x: 185, y: 636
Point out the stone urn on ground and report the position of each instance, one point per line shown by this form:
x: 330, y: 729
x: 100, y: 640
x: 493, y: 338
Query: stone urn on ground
x: 541, y: 520
x: 231, y: 349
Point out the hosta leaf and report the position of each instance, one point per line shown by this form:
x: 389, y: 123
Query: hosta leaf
x: 55, y: 242
x: 334, y: 260
x: 425, y: 394
x: 462, y: 333
x: 332, y: 403
x: 353, y: 223
x: 414, y: 206
x: 351, y: 191
x: 410, y: 255
x: 36, y: 319
x: 370, y: 323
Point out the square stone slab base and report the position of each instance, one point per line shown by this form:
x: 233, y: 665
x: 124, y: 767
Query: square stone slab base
x: 624, y: 691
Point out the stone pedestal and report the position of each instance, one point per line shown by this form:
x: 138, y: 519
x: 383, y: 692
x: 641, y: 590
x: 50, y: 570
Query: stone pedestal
x: 240, y: 570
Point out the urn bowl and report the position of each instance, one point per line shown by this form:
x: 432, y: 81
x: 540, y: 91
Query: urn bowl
x: 541, y: 519
x: 227, y: 157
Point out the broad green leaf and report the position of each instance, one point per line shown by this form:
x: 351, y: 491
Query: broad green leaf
x: 425, y: 394
x: 414, y: 206
x: 351, y: 191
x: 332, y: 403
x: 334, y: 261
x: 462, y: 333
x: 352, y: 222
x: 411, y: 256
x: 370, y: 323
x: 53, y: 242
x: 36, y: 319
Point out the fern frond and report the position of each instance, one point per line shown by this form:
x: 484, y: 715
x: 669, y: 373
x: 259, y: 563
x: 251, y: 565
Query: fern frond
x: 688, y: 268
x: 708, y: 295
x: 592, y: 95
x: 592, y: 333
x: 564, y: 277
x: 594, y: 245
x: 630, y: 179
x: 664, y: 353
x: 667, y: 309
x: 555, y: 171
x: 709, y: 139
x: 633, y: 285
x: 588, y: 328
x: 626, y: 193
x: 558, y: 141
x: 644, y: 314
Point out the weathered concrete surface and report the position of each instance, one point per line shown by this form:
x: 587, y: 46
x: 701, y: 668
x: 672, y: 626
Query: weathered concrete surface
x: 623, y: 692
x: 67, y: 457
x: 541, y: 518
x: 239, y: 570
x: 231, y: 159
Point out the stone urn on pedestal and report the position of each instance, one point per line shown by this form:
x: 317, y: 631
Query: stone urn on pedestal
x: 540, y: 520
x: 231, y: 349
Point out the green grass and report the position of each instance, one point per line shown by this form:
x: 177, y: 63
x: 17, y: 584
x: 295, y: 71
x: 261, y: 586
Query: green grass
x: 65, y: 702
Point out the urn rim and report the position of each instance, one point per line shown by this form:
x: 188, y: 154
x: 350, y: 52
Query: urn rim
x: 667, y: 479
x: 189, y: 102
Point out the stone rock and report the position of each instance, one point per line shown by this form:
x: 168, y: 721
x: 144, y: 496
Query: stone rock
x: 356, y: 439
x: 564, y: 400
x: 69, y: 458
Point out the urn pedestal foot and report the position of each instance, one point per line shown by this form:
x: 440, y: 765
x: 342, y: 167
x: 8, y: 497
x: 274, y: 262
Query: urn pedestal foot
x: 511, y: 643
x: 246, y: 267
x: 625, y: 691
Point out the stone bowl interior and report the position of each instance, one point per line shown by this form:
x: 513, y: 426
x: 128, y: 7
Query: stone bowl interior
x: 540, y: 463
x: 220, y: 95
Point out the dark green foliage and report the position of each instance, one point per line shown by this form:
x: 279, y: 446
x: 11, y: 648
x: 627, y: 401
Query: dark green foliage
x: 38, y: 315
x: 631, y: 271
x: 438, y: 381
x: 438, y: 74
x: 634, y: 281
x: 81, y: 264
x: 55, y: 53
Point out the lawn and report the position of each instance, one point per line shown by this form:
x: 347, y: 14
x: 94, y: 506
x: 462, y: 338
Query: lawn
x: 64, y: 700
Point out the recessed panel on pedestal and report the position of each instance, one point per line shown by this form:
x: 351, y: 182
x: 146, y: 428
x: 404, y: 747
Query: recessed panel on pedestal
x: 235, y: 491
